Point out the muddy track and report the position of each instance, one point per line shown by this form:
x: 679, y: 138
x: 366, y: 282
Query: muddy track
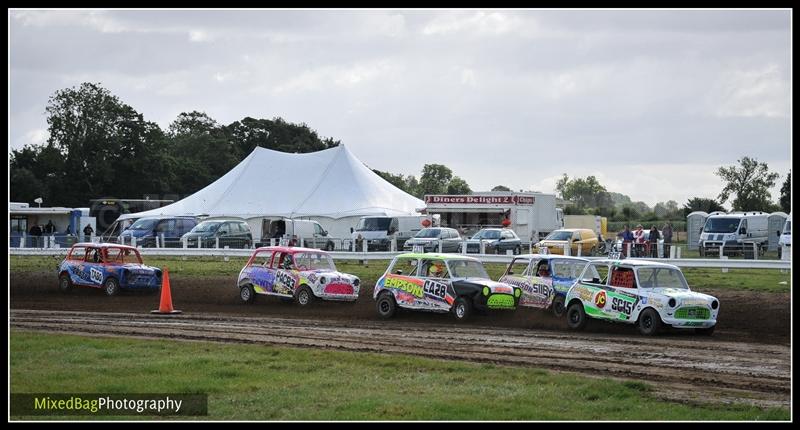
x: 685, y: 370
x: 744, y: 316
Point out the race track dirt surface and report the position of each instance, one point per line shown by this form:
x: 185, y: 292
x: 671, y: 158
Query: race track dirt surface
x: 746, y: 360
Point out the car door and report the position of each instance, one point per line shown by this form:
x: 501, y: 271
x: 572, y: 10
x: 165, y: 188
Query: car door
x: 287, y: 277
x: 436, y: 282
x: 260, y: 272
x: 92, y: 271
x: 404, y: 284
x: 453, y: 242
x: 622, y: 293
x: 518, y: 274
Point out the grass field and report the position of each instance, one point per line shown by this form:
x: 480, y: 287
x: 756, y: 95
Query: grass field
x: 699, y: 279
x: 254, y: 382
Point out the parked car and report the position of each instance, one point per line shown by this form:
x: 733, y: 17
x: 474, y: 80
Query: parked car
x: 496, y: 241
x: 147, y: 229
x: 230, y: 233
x: 441, y: 283
x: 301, y: 274
x: 427, y: 240
x: 544, y: 279
x: 646, y: 293
x: 291, y: 231
x: 583, y: 238
x: 108, y: 266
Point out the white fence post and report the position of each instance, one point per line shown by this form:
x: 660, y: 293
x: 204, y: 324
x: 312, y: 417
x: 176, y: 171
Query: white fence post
x: 483, y: 247
x: 671, y: 252
x: 364, y: 246
x: 216, y: 243
x: 440, y: 245
x: 394, y: 244
x: 133, y: 241
x: 163, y: 243
x: 678, y: 253
x: 629, y: 249
x: 567, y: 250
x: 302, y: 242
x: 755, y: 251
x: 580, y: 249
x: 464, y: 246
x: 186, y: 241
x: 724, y: 269
x: 721, y: 251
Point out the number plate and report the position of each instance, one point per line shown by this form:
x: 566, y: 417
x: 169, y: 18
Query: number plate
x: 418, y: 249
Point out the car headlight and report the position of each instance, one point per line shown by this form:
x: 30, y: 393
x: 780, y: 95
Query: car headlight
x: 672, y: 302
x: 322, y: 280
x: 356, y: 282
x: 485, y: 291
x: 517, y: 292
x: 714, y: 304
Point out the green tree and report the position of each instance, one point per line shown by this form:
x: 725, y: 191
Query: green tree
x: 407, y: 184
x: 98, y: 146
x: 749, y: 183
x: 458, y: 186
x: 786, y: 194
x: 275, y: 134
x: 434, y: 179
x: 700, y: 204
x: 584, y: 193
x: 501, y: 188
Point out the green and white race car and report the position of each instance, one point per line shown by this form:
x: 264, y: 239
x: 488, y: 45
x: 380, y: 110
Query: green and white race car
x: 645, y: 293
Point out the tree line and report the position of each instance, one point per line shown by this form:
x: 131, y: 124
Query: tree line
x: 99, y: 146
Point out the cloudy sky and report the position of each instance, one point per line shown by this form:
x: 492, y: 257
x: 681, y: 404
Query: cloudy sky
x: 650, y: 102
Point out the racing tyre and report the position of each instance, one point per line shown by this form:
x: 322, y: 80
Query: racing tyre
x: 247, y: 294
x: 649, y: 322
x: 707, y: 331
x: 559, y: 309
x: 304, y: 296
x: 64, y: 283
x: 386, y: 305
x: 576, y: 316
x: 111, y: 286
x: 462, y: 308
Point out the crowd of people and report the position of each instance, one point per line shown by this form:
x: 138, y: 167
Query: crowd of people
x: 645, y: 245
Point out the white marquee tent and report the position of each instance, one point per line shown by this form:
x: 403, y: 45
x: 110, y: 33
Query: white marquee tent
x: 330, y: 186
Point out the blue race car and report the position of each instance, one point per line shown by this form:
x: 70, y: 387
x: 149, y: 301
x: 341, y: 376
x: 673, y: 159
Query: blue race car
x: 108, y: 266
x: 544, y: 279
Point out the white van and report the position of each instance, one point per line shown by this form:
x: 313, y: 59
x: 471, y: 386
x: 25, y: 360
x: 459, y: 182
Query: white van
x: 379, y: 231
x: 785, y: 237
x: 291, y: 231
x: 735, y: 232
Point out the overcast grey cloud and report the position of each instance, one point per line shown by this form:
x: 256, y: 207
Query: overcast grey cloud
x: 651, y: 102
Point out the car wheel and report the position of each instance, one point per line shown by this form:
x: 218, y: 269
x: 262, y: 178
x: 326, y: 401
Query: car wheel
x: 707, y: 331
x: 64, y: 283
x: 329, y: 246
x: 304, y: 296
x: 111, y: 286
x: 649, y: 322
x: 558, y: 306
x: 247, y: 294
x: 462, y: 308
x: 386, y: 305
x: 576, y: 316
x: 517, y: 250
x: 702, y: 252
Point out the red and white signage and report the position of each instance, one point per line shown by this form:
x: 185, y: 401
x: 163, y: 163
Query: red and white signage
x: 479, y: 200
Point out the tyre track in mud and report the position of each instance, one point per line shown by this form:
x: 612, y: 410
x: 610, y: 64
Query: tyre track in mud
x: 681, y: 370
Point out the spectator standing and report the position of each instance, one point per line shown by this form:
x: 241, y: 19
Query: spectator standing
x: 667, y: 232
x: 638, y: 241
x: 653, y: 241
x: 88, y: 231
x: 627, y: 237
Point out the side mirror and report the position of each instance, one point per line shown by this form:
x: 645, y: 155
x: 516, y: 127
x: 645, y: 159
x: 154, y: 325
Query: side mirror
x: 742, y: 231
x: 324, y: 233
x: 398, y: 272
x: 222, y: 233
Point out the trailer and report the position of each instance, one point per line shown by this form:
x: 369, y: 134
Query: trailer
x: 531, y: 215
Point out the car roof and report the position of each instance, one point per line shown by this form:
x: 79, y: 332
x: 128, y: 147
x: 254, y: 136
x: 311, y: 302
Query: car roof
x: 635, y: 263
x: 436, y: 256
x: 167, y: 217
x: 574, y: 229
x: 549, y: 257
x: 101, y: 245
x: 289, y: 249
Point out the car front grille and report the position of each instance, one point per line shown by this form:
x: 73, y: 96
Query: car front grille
x: 693, y: 313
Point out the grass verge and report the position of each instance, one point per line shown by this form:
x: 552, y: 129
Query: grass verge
x: 256, y: 382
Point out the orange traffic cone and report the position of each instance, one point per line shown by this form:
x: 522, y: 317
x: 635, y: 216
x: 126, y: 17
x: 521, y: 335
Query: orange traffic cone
x: 165, y: 308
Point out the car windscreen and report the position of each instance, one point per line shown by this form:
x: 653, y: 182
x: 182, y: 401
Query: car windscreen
x: 661, y: 277
x: 313, y: 261
x: 721, y: 225
x: 559, y: 235
x: 144, y: 224
x: 570, y: 269
x: 207, y: 227
x: 467, y: 269
x: 429, y: 233
x: 122, y: 255
x: 487, y: 234
x: 373, y: 224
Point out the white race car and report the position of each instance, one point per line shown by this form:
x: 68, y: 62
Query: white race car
x: 645, y: 293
